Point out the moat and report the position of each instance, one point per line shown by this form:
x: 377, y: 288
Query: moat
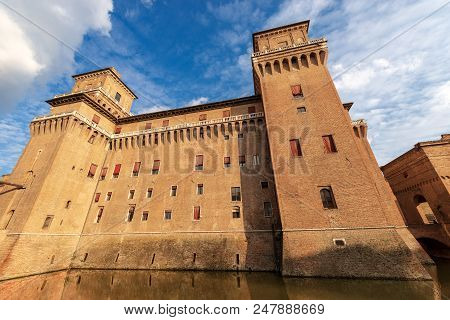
x: 145, y: 284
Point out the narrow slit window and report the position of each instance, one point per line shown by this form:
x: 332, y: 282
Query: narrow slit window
x: 47, y: 222
x: 130, y: 214
x: 149, y: 192
x: 145, y: 216
x: 99, y: 214
x: 296, y: 150
x: 97, y: 197
x: 68, y: 203
x: 199, y: 189
x: 103, y: 173
x: 328, y: 144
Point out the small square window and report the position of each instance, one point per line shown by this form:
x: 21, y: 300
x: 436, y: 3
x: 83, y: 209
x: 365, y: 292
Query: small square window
x: 240, y: 136
x: 264, y: 184
x: 145, y: 216
x: 339, y: 242
x: 165, y: 123
x: 167, y: 214
x: 199, y: 189
x: 301, y: 109
x: 236, y: 212
x: 202, y: 117
x: 226, y: 137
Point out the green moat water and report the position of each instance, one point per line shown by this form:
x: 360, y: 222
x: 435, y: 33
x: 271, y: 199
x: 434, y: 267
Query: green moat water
x: 144, y: 284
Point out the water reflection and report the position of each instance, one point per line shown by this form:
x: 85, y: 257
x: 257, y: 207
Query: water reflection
x: 122, y: 284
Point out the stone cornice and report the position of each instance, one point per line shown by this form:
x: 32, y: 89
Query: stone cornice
x: 291, y: 47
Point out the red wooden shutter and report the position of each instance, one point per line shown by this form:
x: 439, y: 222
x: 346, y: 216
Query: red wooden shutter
x: 226, y: 160
x: 156, y: 165
x: 226, y: 113
x: 117, y: 130
x: 297, y: 90
x: 148, y: 125
x: 137, y: 166
x: 295, y: 147
x: 97, y: 197
x: 103, y: 173
x: 96, y: 119
x: 199, y: 160
x: 196, y: 213
x: 92, y: 170
x: 327, y: 144
x: 251, y: 109
x: 202, y: 117
x: 117, y: 169
x: 165, y: 123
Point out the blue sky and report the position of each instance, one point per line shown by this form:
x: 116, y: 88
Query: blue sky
x: 389, y: 57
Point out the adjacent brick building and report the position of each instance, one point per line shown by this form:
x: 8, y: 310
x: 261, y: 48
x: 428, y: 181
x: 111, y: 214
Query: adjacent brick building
x: 420, y: 179
x: 282, y: 180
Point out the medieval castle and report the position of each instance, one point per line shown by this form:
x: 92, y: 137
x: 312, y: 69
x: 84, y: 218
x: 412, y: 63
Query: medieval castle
x: 282, y: 180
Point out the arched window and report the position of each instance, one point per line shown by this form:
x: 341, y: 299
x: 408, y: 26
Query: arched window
x: 328, y: 201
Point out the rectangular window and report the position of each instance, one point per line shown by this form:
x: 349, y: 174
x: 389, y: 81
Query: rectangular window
x: 226, y: 113
x: 103, y: 173
x: 202, y: 117
x: 136, y: 168
x: 199, y: 189
x: 197, y: 213
x: 97, y: 197
x: 240, y: 136
x: 173, y: 191
x: 99, y: 214
x: 235, y: 194
x: 256, y: 159
x: 47, y: 222
x: 301, y: 110
x: 92, y: 170
x: 267, y: 209
x: 91, y: 139
x: 149, y: 192
x: 296, y: 150
x: 116, y: 170
x: 155, y: 169
x: 117, y: 130
x: 167, y: 214
x: 264, y: 184
x: 226, y: 137
x: 165, y: 123
x: 328, y: 144
x: 130, y: 214
x: 155, y: 140
x: 131, y: 195
x: 145, y: 216
x: 252, y: 109
x: 236, y: 212
x: 148, y: 125
x: 199, y: 162
x: 96, y: 119
x: 242, y: 161
x: 327, y: 196
x: 108, y: 196
x: 297, y: 91
x: 227, y: 162
x: 117, y: 97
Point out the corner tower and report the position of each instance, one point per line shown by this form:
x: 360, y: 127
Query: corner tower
x: 338, y: 215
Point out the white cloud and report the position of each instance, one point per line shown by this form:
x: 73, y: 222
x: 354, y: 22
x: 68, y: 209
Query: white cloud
x: 153, y: 109
x: 197, y: 101
x: 148, y: 3
x: 29, y: 56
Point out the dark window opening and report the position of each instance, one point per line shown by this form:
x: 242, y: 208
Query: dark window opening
x: 264, y: 184
x: 167, y: 215
x: 227, y: 162
x: 242, y: 161
x: 301, y: 110
x: 200, y: 189
x: 236, y: 212
x: 145, y: 216
x: 97, y: 197
x: 99, y: 214
x: 328, y: 144
x: 173, y: 191
x: 92, y: 170
x: 47, y: 222
x: 296, y: 150
x: 235, y: 194
x: 199, y: 162
x: 130, y: 214
x: 136, y: 168
x: 131, y: 194
x: 117, y: 97
x: 156, y: 164
x: 149, y: 192
x: 327, y: 196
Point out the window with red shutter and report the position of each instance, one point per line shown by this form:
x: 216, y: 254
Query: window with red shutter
x: 117, y: 170
x: 297, y: 91
x: 226, y: 162
x: 96, y: 119
x: 226, y: 113
x: 155, y: 169
x: 92, y: 170
x: 199, y: 162
x: 328, y: 144
x: 165, y: 123
x: 296, y: 150
x: 251, y: 109
x: 196, y: 213
x: 117, y: 130
x: 136, y: 168
x: 103, y: 173
x: 202, y: 117
x: 148, y: 125
x: 97, y: 197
